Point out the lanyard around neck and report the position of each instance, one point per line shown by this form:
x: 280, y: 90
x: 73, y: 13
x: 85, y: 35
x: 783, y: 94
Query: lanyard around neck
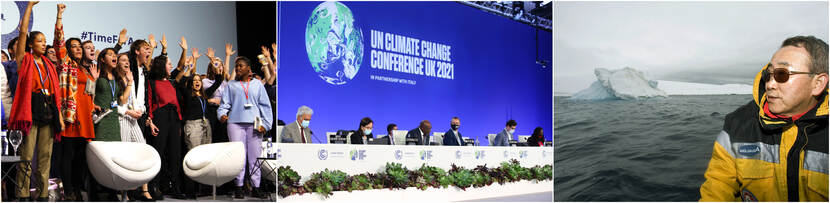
x: 246, y: 88
x: 203, y: 106
x: 112, y: 88
x: 42, y: 83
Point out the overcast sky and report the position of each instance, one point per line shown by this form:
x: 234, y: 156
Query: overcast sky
x: 700, y: 42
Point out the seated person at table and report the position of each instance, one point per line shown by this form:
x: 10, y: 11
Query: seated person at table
x: 364, y: 132
x: 452, y: 137
x: 421, y: 133
x: 298, y: 131
x: 391, y: 128
x: 537, y: 139
x: 503, y: 137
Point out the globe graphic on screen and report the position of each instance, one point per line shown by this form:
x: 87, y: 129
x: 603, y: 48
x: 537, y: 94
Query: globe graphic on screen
x: 333, y: 43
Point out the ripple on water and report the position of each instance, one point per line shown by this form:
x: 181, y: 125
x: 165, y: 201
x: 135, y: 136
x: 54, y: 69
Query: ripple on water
x: 653, y: 150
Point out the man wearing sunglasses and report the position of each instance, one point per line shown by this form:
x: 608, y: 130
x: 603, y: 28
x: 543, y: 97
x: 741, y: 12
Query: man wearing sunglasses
x: 775, y: 147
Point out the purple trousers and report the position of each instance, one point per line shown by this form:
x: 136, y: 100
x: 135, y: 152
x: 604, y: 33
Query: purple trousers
x: 244, y: 132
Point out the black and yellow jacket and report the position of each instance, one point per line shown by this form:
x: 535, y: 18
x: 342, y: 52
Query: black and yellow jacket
x: 759, y: 158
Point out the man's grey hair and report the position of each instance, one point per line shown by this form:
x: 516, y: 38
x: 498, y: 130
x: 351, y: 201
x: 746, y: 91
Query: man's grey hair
x: 815, y: 47
x: 303, y: 110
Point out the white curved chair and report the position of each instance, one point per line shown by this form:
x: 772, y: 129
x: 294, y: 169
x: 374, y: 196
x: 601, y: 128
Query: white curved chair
x: 491, y: 138
x: 122, y: 165
x: 214, y: 164
x: 437, y: 138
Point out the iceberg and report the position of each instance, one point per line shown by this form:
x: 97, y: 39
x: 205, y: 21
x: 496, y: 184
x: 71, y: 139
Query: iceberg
x: 626, y: 83
x: 688, y: 88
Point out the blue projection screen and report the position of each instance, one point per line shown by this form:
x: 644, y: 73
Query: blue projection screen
x: 403, y: 62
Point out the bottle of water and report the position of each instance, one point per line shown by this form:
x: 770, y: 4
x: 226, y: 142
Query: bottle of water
x: 5, y: 145
x: 269, y: 147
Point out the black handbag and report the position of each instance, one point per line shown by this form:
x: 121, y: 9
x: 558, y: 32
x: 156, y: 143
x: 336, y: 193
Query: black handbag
x: 44, y: 110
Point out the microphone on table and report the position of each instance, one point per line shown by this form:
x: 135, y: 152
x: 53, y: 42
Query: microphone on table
x: 315, y: 138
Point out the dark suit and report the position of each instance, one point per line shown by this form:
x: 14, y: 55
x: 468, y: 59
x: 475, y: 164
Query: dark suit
x: 534, y: 140
x: 357, y: 137
x: 388, y: 139
x: 451, y: 140
x: 416, y: 133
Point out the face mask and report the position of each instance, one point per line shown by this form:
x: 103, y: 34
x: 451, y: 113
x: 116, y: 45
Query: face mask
x: 367, y: 131
x: 455, y: 127
x: 305, y: 123
x: 511, y: 131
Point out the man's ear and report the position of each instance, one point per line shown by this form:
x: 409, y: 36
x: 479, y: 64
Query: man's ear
x: 819, y: 84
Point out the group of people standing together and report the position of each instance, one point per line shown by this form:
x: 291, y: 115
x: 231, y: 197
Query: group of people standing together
x: 70, y: 94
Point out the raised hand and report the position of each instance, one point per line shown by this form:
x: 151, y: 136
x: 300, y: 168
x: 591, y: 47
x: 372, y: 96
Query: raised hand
x: 210, y: 53
x: 183, y: 43
x: 274, y: 49
x: 152, y: 40
x: 195, y: 53
x: 229, y: 49
x: 122, y: 36
x: 265, y: 52
x: 61, y: 8
x: 93, y: 69
x: 33, y: 2
x: 163, y: 41
x: 129, y: 76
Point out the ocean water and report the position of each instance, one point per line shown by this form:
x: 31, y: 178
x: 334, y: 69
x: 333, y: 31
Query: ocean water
x: 647, y: 150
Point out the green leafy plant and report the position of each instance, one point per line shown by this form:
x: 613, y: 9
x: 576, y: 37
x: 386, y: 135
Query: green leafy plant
x: 508, y: 173
x: 481, y: 176
x: 358, y: 182
x: 445, y: 181
x: 326, y: 181
x: 396, y: 176
x: 541, y: 173
x: 548, y: 171
x: 377, y: 180
x: 288, y: 182
x: 430, y: 176
x: 463, y: 178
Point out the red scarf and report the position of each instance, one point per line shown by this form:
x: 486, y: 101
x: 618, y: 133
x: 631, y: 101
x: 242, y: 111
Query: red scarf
x: 21, y: 113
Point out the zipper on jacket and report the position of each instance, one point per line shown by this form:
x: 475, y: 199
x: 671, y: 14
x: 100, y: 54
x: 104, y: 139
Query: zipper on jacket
x: 793, y: 163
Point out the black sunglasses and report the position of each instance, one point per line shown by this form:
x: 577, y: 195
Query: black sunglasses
x: 781, y: 75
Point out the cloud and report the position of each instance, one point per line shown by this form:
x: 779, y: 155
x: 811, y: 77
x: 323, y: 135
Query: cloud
x: 701, y: 42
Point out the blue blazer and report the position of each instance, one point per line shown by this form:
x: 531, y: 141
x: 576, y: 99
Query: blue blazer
x: 450, y: 139
x: 501, y: 139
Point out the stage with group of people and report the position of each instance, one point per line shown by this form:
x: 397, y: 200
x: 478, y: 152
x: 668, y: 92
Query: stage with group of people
x: 368, y: 93
x: 90, y: 116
